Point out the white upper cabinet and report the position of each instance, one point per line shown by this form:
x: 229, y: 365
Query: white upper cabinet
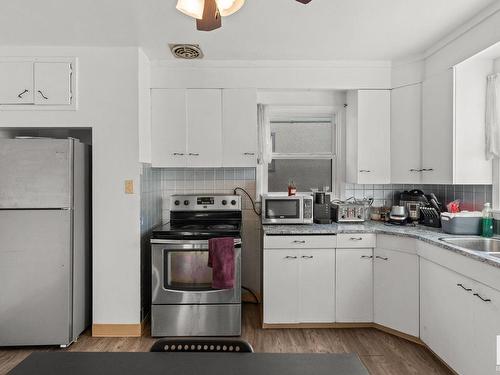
x: 406, y: 128
x: 239, y: 127
x: 168, y: 128
x: 368, y: 122
x: 204, y: 128
x: 453, y: 135
x: 16, y: 83
x: 52, y: 83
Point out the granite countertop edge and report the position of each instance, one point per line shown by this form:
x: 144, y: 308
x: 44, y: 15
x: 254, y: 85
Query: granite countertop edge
x: 431, y: 236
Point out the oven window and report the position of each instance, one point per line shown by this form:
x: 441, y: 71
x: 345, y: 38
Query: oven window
x: 282, y: 208
x: 187, y: 270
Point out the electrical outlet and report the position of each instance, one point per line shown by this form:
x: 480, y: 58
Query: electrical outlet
x: 129, y: 186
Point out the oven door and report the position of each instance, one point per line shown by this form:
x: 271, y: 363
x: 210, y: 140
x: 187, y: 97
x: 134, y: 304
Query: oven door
x: 180, y: 274
x: 282, y: 210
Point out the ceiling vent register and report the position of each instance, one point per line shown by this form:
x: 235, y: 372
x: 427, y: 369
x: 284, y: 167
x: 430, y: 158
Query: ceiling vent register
x: 186, y: 51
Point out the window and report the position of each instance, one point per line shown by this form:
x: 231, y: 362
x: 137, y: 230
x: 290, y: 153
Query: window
x: 302, y: 153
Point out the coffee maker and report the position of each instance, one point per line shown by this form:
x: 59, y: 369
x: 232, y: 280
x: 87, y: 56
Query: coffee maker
x: 321, y: 212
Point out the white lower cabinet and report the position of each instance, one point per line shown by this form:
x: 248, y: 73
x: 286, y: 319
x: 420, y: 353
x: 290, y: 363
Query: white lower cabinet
x: 460, y: 319
x: 396, y: 290
x: 354, y: 281
x: 299, y: 286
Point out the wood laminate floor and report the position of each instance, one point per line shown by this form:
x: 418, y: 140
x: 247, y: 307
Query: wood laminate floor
x: 382, y: 353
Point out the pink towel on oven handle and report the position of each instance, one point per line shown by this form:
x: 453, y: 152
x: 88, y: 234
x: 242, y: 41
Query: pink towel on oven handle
x: 221, y: 260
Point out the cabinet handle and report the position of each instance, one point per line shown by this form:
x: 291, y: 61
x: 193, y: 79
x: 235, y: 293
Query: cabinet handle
x: 193, y: 154
x: 416, y: 170
x: 427, y: 169
x: 364, y: 171
x: 297, y: 241
x: 383, y: 258
x: 20, y: 95
x: 43, y: 96
x: 481, y: 298
x: 366, y: 256
x: 178, y: 153
x: 290, y: 257
x: 249, y: 153
x: 464, y: 288
x: 356, y: 238
x: 307, y: 256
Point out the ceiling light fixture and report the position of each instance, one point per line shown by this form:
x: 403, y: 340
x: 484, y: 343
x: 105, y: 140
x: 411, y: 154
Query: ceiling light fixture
x: 228, y: 7
x: 192, y: 8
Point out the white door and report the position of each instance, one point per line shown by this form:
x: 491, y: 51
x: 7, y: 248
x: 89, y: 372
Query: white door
x: 354, y: 285
x: 374, y: 129
x: 204, y: 124
x: 168, y: 128
x: 446, y: 323
x: 16, y: 83
x: 486, y: 322
x: 437, y: 129
x: 406, y: 128
x: 317, y: 286
x: 396, y: 290
x: 52, y: 83
x: 281, y: 286
x: 239, y: 127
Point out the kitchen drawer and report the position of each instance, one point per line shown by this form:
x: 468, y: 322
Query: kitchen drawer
x: 403, y: 244
x: 300, y: 242
x: 356, y: 240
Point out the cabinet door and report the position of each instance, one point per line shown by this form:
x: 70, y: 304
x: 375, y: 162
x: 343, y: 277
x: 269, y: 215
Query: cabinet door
x: 52, y: 83
x: 437, y: 129
x: 16, y: 83
x: 374, y: 131
x: 446, y: 324
x: 317, y: 286
x: 406, y: 128
x: 239, y: 127
x: 204, y: 124
x: 396, y: 290
x: 168, y: 128
x: 486, y: 328
x: 354, y: 285
x: 281, y: 286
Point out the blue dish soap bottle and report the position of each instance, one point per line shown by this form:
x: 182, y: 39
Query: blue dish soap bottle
x: 487, y: 227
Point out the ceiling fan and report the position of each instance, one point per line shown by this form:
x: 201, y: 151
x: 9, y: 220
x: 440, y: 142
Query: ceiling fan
x: 209, y: 13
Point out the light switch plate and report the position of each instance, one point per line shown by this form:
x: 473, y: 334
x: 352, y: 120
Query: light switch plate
x: 129, y: 186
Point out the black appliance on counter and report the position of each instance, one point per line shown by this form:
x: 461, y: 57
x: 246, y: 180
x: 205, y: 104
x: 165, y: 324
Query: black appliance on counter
x: 421, y: 207
x: 321, y: 211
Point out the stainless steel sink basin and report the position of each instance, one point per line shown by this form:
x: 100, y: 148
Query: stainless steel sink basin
x: 487, y: 245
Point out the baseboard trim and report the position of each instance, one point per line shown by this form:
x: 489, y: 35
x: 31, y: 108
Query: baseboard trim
x: 117, y: 330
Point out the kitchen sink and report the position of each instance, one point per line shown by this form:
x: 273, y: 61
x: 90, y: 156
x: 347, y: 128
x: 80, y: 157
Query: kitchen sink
x: 486, y: 245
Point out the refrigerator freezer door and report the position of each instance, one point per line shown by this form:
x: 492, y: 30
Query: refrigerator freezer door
x: 36, y: 173
x: 35, y: 277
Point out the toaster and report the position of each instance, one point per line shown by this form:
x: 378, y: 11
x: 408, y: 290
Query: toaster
x: 350, y: 212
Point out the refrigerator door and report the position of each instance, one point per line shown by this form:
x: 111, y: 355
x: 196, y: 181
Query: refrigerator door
x: 35, y: 277
x: 36, y: 173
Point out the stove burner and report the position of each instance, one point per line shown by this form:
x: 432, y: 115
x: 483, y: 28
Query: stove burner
x: 193, y: 226
x: 221, y: 227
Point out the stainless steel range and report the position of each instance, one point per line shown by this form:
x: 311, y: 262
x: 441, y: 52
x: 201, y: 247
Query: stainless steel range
x: 183, y: 300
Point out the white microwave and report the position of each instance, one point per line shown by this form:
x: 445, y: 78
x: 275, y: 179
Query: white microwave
x: 281, y: 209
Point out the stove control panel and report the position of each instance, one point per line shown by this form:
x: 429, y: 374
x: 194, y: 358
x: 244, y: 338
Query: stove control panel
x: 205, y: 203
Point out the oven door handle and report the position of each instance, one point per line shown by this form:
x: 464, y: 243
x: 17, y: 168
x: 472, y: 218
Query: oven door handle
x: 189, y: 244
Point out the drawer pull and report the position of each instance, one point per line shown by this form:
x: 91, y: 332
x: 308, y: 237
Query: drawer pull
x: 464, y: 288
x: 356, y: 238
x: 307, y: 257
x: 297, y: 241
x: 366, y: 256
x: 383, y: 258
x: 290, y: 257
x: 416, y: 170
x: 20, y: 95
x: 42, y: 95
x: 481, y: 298
x: 194, y: 154
x: 249, y: 153
x: 364, y: 171
x: 178, y: 154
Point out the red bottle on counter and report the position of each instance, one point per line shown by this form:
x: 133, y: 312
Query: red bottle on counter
x: 292, y: 189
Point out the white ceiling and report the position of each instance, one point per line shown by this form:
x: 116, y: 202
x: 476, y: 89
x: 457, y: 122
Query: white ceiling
x: 261, y: 30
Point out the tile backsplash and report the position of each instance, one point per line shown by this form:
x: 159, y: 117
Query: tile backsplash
x: 472, y: 197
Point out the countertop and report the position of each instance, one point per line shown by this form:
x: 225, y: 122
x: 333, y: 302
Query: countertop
x: 426, y: 234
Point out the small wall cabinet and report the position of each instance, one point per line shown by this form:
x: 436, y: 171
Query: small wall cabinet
x: 368, y: 127
x: 36, y: 84
x: 204, y: 127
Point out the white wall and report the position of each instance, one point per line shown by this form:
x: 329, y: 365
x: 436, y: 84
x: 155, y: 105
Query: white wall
x: 496, y: 65
x: 108, y: 102
x: 272, y: 74
x: 144, y: 107
x: 301, y: 97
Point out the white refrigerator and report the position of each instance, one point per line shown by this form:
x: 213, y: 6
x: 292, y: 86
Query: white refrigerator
x: 45, y: 229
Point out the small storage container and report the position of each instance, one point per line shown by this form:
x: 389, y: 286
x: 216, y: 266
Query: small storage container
x: 465, y: 222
